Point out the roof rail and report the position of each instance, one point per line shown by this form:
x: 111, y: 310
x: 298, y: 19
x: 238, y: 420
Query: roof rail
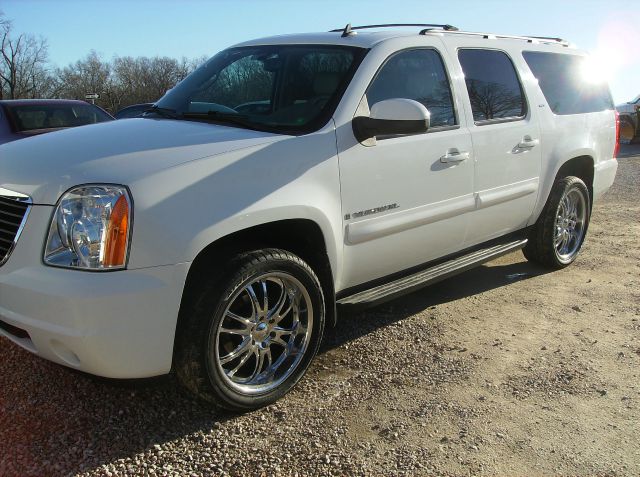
x: 530, y: 39
x: 551, y: 38
x: 348, y: 30
x: 450, y: 29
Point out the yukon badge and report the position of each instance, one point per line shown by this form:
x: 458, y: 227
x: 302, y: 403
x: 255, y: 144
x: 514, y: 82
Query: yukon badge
x: 376, y: 210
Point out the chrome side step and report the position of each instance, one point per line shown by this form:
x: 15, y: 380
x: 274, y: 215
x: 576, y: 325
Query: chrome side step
x: 431, y: 275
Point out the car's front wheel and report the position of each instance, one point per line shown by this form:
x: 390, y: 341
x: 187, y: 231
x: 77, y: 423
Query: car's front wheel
x: 252, y: 335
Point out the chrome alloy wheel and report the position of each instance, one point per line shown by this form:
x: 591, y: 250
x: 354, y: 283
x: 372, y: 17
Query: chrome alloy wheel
x: 570, y: 223
x: 264, y: 333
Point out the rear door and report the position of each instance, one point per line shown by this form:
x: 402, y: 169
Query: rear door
x: 505, y: 134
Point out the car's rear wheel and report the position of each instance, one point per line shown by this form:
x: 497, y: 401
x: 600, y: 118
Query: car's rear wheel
x: 253, y: 334
x: 557, y: 237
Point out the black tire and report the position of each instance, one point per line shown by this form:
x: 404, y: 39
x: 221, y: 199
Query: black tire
x: 541, y: 247
x: 198, y: 360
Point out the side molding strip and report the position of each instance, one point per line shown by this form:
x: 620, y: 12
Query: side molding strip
x: 370, y: 229
x: 377, y: 227
x: 487, y: 198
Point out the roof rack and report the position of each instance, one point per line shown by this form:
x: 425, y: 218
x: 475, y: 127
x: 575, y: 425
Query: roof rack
x: 349, y: 30
x: 551, y: 38
x: 445, y: 28
x: 530, y: 39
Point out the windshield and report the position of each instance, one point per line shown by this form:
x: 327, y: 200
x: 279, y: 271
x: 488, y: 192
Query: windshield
x: 28, y: 117
x: 282, y: 88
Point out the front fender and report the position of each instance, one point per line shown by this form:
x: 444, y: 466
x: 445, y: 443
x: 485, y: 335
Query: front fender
x: 330, y: 232
x: 181, y: 210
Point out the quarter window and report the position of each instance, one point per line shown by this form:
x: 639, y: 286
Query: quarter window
x: 566, y: 84
x: 494, y: 89
x: 419, y: 75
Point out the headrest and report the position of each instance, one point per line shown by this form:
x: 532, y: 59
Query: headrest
x: 325, y: 84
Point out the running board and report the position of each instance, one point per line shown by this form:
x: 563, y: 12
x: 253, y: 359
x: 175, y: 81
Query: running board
x: 431, y: 275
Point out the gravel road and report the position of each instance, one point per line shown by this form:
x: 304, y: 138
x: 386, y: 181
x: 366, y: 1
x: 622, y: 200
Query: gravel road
x: 505, y: 370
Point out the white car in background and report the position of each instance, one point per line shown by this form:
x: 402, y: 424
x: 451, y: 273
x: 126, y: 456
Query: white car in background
x: 366, y: 164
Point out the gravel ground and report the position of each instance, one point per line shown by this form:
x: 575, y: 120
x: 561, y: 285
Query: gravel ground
x: 504, y: 370
x: 628, y: 150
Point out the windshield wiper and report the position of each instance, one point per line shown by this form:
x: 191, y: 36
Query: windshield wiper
x: 218, y: 116
x: 164, y: 112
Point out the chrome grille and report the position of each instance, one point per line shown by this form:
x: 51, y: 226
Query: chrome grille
x: 14, y: 209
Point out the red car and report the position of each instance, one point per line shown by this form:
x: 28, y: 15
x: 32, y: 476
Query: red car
x: 21, y: 118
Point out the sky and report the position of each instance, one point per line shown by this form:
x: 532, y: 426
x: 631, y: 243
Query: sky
x: 609, y: 29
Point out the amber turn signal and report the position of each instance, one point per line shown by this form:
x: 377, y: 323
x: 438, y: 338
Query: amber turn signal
x: 116, y: 237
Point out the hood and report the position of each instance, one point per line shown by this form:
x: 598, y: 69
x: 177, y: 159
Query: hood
x: 119, y: 152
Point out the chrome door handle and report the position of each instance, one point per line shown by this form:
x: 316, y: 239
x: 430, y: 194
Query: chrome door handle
x: 527, y: 143
x: 454, y: 155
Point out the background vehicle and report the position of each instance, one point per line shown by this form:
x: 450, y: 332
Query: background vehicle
x: 385, y: 161
x: 20, y: 118
x: 629, y: 120
x: 133, y: 111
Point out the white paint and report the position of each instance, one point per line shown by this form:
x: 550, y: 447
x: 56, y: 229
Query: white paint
x: 399, y: 109
x: 194, y: 183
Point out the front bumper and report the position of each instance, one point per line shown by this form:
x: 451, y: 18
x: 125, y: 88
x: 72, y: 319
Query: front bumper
x: 114, y: 324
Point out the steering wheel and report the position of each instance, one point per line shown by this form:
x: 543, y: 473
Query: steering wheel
x: 204, y: 107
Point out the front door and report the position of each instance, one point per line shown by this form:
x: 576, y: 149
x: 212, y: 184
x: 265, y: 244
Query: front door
x: 403, y: 204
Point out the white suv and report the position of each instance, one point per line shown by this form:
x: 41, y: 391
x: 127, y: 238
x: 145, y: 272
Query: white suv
x: 364, y: 164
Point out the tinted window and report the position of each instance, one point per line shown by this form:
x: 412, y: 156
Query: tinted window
x: 417, y: 75
x: 565, y: 84
x: 494, y: 89
x: 275, y: 87
x: 246, y: 80
x: 27, y: 117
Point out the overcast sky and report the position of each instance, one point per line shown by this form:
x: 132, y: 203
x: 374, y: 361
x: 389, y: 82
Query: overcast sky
x: 610, y: 29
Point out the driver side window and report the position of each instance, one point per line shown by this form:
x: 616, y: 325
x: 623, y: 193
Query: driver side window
x: 418, y: 75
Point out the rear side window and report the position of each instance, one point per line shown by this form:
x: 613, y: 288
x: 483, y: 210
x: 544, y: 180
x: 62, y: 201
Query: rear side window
x: 494, y: 89
x: 418, y: 75
x: 565, y: 83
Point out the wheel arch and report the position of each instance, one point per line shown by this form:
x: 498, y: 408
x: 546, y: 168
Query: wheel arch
x: 582, y: 167
x: 301, y: 236
x: 580, y: 164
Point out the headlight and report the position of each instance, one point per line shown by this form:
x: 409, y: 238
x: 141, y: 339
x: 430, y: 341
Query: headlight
x: 90, y: 229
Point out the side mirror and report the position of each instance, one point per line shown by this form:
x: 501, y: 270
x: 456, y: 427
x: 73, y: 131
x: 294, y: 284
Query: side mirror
x: 392, y: 116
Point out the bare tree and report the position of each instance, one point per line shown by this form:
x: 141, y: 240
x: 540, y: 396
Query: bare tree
x: 25, y: 73
x: 88, y: 75
x: 23, y: 64
x: 493, y: 100
x: 147, y: 79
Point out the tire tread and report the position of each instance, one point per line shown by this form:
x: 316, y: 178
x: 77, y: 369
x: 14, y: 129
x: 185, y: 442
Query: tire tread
x: 539, y: 248
x: 189, y: 359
